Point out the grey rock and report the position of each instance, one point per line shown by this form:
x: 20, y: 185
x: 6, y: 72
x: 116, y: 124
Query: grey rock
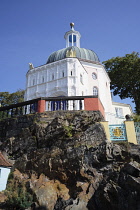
x: 65, y: 162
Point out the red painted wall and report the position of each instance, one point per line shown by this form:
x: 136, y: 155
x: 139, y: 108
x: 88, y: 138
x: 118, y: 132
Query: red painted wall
x: 93, y: 104
x: 41, y: 106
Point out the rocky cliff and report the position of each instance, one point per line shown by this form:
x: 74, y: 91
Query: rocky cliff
x: 62, y: 160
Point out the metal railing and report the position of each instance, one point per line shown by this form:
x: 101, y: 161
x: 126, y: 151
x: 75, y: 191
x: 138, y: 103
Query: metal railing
x: 19, y: 109
x: 52, y: 104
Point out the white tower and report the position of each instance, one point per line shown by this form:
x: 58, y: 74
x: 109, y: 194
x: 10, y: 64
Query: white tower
x: 72, y: 37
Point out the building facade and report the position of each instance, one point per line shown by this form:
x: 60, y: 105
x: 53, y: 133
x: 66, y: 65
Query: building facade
x: 71, y: 71
x: 5, y: 168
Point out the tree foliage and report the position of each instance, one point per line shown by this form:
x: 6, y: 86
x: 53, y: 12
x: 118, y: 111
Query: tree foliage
x: 7, y: 98
x: 136, y: 118
x: 124, y: 73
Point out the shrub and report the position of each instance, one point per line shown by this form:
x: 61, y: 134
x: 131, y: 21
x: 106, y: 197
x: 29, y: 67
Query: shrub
x: 17, y: 196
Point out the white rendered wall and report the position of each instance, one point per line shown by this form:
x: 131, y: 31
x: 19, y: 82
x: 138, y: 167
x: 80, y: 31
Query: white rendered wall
x: 61, y: 78
x: 102, y: 83
x: 77, y: 78
x: 4, y: 172
x: 91, y: 83
x: 104, y: 88
x: 113, y: 118
x: 47, y: 80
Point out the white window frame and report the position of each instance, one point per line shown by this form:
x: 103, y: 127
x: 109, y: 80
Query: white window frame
x: 95, y: 91
x: 119, y: 112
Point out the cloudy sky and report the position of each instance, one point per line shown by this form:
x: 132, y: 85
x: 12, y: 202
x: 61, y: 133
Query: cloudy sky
x: 30, y: 30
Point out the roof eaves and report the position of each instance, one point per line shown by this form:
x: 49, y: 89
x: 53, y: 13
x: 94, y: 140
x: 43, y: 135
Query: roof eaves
x: 4, y: 162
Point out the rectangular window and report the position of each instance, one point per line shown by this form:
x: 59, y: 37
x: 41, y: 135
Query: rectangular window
x: 81, y: 78
x: 119, y: 112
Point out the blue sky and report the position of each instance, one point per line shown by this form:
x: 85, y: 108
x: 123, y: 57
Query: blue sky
x: 30, y: 30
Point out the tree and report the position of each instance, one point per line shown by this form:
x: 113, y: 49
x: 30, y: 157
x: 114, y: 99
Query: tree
x: 124, y: 73
x: 136, y: 118
x: 7, y: 98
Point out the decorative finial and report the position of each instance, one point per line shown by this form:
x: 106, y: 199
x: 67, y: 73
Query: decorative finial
x: 72, y: 26
x: 31, y: 66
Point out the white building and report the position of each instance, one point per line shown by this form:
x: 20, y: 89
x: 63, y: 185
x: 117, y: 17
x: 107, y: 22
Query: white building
x: 72, y: 71
x: 5, y: 168
x: 119, y: 111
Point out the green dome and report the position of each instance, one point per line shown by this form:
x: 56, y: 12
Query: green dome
x: 73, y: 51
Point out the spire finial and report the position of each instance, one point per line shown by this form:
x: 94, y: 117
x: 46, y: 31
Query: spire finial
x: 72, y: 26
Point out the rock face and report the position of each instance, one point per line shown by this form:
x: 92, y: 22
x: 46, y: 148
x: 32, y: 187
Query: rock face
x: 64, y: 161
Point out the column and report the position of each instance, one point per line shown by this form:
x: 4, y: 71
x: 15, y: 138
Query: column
x: 130, y: 132
x: 41, y: 106
x: 106, y: 128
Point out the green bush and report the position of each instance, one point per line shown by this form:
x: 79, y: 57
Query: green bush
x: 17, y: 196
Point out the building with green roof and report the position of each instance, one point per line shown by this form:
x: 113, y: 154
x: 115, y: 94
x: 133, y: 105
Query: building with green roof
x: 71, y: 71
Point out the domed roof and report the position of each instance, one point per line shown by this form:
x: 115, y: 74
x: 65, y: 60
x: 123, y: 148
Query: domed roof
x: 73, y: 51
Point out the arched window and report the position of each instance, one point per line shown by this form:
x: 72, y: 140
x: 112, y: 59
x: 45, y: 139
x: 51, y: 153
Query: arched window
x: 52, y: 76
x: 94, y: 76
x: 95, y: 91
